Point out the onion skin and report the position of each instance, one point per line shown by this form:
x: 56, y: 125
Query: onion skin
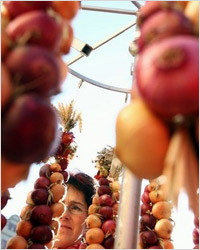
x: 109, y: 227
x: 67, y: 38
x: 157, y: 28
x: 95, y: 246
x: 192, y: 12
x: 42, y: 182
x: 41, y: 29
x: 36, y: 246
x: 5, y: 44
x: 106, y: 212
x: 108, y: 242
x: 167, y: 76
x: 104, y: 189
x: 17, y: 242
x: 6, y: 85
x: 38, y: 117
x: 41, y: 234
x: 148, y: 220
x: 94, y: 235
x: 140, y: 133
x: 149, y: 238
x: 45, y: 171
x: 16, y: 8
x: 40, y: 196
x: 151, y: 7
x: 106, y: 200
x: 41, y: 215
x: 39, y: 75
x: 3, y: 221
x: 103, y: 181
x: 67, y: 9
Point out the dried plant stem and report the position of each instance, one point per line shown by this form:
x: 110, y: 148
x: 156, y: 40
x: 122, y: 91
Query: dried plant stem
x: 181, y: 169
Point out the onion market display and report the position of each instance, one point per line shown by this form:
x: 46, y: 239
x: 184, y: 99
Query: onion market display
x: 156, y: 224
x: 35, y: 36
x: 103, y: 213
x: 164, y: 111
x: 40, y: 217
x: 32, y: 37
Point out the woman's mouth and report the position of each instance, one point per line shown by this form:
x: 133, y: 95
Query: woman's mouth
x: 65, y: 226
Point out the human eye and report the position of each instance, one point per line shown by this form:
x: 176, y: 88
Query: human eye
x: 75, y: 208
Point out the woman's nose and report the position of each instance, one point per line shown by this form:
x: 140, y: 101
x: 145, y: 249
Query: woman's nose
x: 66, y: 215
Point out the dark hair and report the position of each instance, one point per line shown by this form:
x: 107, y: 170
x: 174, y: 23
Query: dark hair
x: 83, y: 183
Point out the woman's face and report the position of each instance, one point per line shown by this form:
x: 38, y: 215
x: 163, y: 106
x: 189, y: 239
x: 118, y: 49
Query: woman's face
x: 72, y: 222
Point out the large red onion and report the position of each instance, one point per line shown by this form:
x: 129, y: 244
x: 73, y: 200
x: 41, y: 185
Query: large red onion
x: 167, y: 76
x: 29, y: 130
x: 40, y: 196
x: 151, y: 7
x: 41, y: 215
x: 40, y: 74
x: 149, y: 238
x: 109, y: 227
x: 16, y: 8
x: 36, y: 246
x: 42, y: 182
x: 163, y: 24
x: 45, y: 171
x: 108, y: 242
x: 41, y: 234
x: 106, y: 200
x: 106, y: 212
x: 41, y: 29
x: 195, y: 235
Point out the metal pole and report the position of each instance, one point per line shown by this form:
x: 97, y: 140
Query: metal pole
x: 115, y: 34
x: 104, y: 41
x: 128, y: 220
x: 110, y: 10
x: 137, y: 4
x: 98, y: 84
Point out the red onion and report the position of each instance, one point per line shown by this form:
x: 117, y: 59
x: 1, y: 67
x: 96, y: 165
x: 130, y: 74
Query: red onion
x: 104, y: 189
x: 163, y: 24
x: 16, y: 8
x: 41, y: 234
x: 106, y: 200
x: 151, y: 7
x: 109, y: 227
x: 42, y: 182
x: 103, y: 181
x: 41, y: 215
x: 167, y: 76
x: 145, y: 198
x: 3, y: 221
x: 43, y: 30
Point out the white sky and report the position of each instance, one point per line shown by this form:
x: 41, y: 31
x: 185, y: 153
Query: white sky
x: 110, y: 64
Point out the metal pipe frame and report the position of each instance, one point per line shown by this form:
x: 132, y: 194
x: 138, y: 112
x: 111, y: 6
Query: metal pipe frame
x: 129, y: 207
x: 98, y: 84
x: 127, y: 224
x: 137, y: 4
x: 104, y: 41
x: 109, y: 10
x: 93, y: 82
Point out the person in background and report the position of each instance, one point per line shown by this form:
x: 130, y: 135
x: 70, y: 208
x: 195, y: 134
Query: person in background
x: 80, y: 191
